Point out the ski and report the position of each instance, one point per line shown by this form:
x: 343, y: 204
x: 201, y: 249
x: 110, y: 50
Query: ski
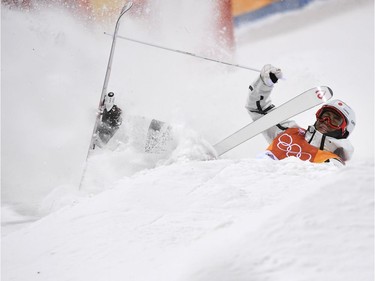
x: 108, y: 73
x: 299, y: 104
x: 102, y: 103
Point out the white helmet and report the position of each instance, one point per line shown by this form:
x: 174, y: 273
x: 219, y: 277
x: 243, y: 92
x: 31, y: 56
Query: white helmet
x: 341, y: 107
x: 109, y: 101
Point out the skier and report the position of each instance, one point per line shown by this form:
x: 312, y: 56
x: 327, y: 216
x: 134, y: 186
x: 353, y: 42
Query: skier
x: 110, y: 121
x: 325, y: 141
x: 158, y: 133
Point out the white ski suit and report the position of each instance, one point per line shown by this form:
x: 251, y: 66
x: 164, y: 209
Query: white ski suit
x: 259, y: 103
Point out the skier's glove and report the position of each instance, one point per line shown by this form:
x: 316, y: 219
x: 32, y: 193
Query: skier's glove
x: 270, y: 74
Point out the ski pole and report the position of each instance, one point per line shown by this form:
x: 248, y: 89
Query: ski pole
x: 183, y: 52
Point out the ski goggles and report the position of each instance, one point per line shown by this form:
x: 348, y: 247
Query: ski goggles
x: 336, y: 121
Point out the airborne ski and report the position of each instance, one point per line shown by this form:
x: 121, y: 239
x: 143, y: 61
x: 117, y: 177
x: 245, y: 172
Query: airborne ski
x: 299, y: 104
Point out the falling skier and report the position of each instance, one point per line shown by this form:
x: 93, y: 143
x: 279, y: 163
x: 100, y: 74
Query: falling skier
x: 156, y: 139
x: 325, y: 141
x: 110, y: 122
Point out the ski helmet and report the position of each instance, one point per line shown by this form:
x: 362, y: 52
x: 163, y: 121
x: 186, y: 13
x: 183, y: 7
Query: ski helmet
x: 342, y: 109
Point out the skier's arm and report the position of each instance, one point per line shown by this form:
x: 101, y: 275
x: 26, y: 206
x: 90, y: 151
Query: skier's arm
x: 259, y: 101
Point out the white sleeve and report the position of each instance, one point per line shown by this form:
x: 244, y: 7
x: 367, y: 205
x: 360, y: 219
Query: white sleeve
x: 259, y: 103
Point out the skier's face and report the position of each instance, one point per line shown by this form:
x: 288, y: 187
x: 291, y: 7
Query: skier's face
x: 329, y: 121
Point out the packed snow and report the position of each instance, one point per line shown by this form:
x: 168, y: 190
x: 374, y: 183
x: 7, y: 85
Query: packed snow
x: 181, y: 215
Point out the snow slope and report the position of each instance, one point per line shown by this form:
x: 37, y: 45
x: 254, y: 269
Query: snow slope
x: 213, y: 220
x: 175, y: 217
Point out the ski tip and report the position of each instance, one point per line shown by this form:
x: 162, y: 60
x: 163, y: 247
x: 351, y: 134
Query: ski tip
x: 126, y: 7
x: 329, y: 93
x: 324, y: 93
x: 330, y: 90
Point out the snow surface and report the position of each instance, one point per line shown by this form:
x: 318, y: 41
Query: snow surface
x: 174, y: 216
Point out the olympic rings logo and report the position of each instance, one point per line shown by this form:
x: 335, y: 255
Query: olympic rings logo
x: 292, y: 149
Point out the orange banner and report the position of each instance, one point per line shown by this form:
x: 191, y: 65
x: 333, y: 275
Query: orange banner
x: 240, y: 7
